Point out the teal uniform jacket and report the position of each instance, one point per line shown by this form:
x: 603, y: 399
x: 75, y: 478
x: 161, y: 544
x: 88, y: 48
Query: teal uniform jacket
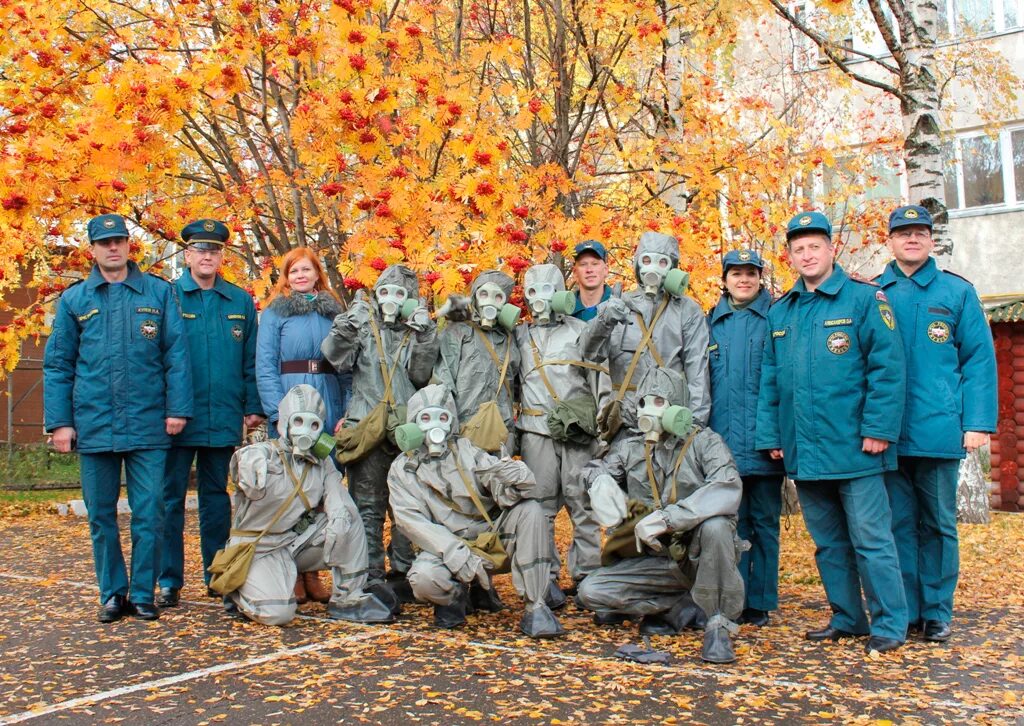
x: 950, y: 353
x: 221, y: 327
x: 833, y: 373
x: 587, y: 314
x: 734, y: 359
x: 116, y: 363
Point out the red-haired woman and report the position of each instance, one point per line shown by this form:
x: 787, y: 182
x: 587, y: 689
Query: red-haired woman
x: 297, y: 318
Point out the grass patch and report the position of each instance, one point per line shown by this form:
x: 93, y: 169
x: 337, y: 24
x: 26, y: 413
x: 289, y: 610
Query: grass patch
x: 28, y: 467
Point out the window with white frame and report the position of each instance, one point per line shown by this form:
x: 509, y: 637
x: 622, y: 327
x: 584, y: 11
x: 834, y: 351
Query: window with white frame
x: 983, y: 171
x: 963, y: 18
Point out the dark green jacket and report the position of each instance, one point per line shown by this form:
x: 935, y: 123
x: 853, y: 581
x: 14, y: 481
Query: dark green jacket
x: 221, y: 328
x: 833, y: 373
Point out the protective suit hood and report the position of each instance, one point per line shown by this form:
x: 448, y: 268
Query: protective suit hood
x: 496, y: 277
x: 539, y: 274
x: 302, y: 398
x: 657, y: 243
x: 399, y: 275
x: 433, y: 395
x: 666, y: 383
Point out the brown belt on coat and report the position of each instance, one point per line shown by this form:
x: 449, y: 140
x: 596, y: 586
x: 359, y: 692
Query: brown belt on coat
x: 307, y: 366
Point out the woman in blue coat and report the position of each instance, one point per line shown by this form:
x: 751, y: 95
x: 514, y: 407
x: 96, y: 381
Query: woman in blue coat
x: 297, y: 318
x: 737, y: 326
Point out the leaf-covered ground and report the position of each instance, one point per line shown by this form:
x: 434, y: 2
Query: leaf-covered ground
x: 196, y: 665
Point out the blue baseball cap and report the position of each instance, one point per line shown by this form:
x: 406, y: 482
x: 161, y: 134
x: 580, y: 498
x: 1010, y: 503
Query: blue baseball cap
x: 205, y: 234
x: 735, y: 258
x: 909, y: 215
x: 106, y: 226
x: 594, y: 248
x: 808, y: 222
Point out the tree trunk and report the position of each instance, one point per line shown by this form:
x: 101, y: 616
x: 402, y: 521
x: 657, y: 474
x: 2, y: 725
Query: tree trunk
x: 972, y: 504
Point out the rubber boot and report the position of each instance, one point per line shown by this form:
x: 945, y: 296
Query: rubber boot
x: 657, y: 624
x: 685, y: 614
x: 554, y: 598
x: 717, y: 645
x: 539, y: 622
x: 485, y: 600
x: 453, y: 615
x: 300, y: 590
x: 366, y: 608
x: 315, y: 589
x: 399, y: 584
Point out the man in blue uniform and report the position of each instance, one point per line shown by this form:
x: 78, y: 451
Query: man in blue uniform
x: 117, y: 383
x: 590, y: 271
x: 737, y: 326
x: 220, y: 320
x: 833, y: 384
x: 950, y: 409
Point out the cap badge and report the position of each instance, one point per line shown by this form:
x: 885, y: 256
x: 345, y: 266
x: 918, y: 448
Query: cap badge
x: 209, y: 226
x: 109, y: 223
x: 744, y: 255
x: 804, y: 221
x: 911, y: 214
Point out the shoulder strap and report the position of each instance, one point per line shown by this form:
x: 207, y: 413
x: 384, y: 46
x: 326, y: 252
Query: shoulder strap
x: 494, y: 357
x: 386, y: 374
x: 469, y: 486
x: 648, y: 451
x: 645, y: 341
x: 538, y: 363
x: 296, y: 492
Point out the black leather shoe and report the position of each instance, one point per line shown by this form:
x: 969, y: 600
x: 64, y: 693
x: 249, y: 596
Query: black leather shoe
x: 169, y: 597
x: 752, y: 616
x: 881, y: 645
x: 936, y: 631
x: 113, y: 609
x: 829, y: 633
x: 145, y: 611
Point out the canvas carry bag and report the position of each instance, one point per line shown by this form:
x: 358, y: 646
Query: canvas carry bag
x: 486, y: 544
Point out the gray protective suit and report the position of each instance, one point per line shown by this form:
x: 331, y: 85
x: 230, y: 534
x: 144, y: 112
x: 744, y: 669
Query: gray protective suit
x: 327, y: 535
x: 708, y: 492
x: 556, y: 463
x: 471, y: 360
x: 409, y: 353
x: 680, y: 336
x: 434, y: 509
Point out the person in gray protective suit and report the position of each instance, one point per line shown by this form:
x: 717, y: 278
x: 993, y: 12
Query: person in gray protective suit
x: 479, y: 360
x: 655, y: 325
x: 677, y: 481
x: 455, y: 502
x: 561, y: 394
x: 390, y: 345
x: 293, y: 503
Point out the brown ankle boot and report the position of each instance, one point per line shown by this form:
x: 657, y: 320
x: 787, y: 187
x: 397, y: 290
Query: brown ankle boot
x: 315, y: 589
x: 300, y: 591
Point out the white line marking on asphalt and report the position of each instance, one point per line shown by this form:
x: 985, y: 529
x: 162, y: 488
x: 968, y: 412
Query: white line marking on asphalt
x: 369, y: 630
x: 180, y: 678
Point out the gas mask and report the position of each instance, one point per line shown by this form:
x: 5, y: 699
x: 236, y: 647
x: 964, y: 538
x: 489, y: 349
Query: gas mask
x: 433, y: 426
x: 394, y: 302
x: 489, y: 301
x: 545, y: 303
x: 307, y: 437
x: 655, y: 416
x: 652, y: 270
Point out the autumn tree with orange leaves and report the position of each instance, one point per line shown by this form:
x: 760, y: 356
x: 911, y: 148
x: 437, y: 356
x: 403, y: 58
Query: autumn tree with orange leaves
x: 452, y: 136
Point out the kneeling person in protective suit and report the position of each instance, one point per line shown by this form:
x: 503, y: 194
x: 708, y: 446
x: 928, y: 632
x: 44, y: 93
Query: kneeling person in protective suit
x: 680, y: 562
x: 471, y: 515
x: 291, y: 500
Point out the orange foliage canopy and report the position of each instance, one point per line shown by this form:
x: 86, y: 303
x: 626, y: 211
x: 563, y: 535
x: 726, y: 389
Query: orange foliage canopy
x: 454, y: 137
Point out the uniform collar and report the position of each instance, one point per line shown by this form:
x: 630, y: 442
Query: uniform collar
x: 759, y: 306
x: 922, y: 277
x: 189, y: 284
x: 579, y: 301
x: 830, y: 287
x: 134, y: 280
